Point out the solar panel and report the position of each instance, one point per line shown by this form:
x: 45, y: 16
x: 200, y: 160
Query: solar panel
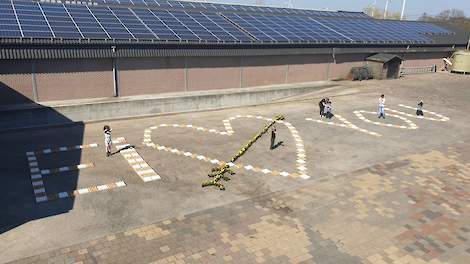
x: 110, y: 23
x: 160, y: 29
x: 133, y: 24
x: 191, y: 26
x: 285, y: 28
x: 236, y: 24
x: 418, y: 27
x: 60, y: 21
x: 86, y: 22
x: 202, y: 6
x: 368, y: 30
x: 32, y: 21
x: 9, y: 27
x: 221, y: 27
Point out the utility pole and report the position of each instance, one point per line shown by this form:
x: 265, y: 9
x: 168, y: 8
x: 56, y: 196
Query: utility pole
x: 403, y: 10
x: 373, y: 8
x: 260, y: 2
x: 468, y: 44
x: 290, y: 4
x: 386, y: 8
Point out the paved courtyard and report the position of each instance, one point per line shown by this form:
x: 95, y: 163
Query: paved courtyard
x: 353, y: 189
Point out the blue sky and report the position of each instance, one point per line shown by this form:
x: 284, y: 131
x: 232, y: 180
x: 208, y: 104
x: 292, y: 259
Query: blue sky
x: 413, y: 9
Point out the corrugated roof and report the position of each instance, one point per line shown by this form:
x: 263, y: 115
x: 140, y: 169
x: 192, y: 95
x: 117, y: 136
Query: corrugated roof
x: 383, y: 57
x: 90, y: 52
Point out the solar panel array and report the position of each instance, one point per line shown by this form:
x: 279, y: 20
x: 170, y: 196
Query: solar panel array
x: 228, y: 7
x: 69, y: 21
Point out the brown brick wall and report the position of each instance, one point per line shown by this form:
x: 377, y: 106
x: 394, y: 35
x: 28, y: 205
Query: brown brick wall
x: 139, y: 76
x: 342, y: 68
x: 74, y: 79
x: 213, y: 73
x: 307, y: 68
x: 425, y: 59
x: 16, y: 86
x: 263, y: 70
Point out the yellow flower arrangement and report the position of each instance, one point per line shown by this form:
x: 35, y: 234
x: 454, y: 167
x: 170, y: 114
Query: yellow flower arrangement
x: 218, y: 173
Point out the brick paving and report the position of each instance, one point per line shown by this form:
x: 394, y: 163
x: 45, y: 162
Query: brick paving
x: 413, y: 209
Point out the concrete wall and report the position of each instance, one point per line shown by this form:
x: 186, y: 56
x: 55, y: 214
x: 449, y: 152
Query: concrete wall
x: 49, y: 80
x: 41, y: 115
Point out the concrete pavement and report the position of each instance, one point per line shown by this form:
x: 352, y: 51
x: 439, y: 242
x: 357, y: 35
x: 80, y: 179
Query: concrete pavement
x: 394, y: 192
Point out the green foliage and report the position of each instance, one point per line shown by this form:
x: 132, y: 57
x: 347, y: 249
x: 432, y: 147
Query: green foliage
x: 379, y: 14
x: 219, y: 173
x: 454, y: 17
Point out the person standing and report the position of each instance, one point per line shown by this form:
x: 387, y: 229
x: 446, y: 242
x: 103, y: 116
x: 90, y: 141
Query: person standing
x: 107, y: 139
x: 328, y: 110
x: 321, y: 105
x: 273, y: 136
x: 382, y: 107
x: 419, y: 109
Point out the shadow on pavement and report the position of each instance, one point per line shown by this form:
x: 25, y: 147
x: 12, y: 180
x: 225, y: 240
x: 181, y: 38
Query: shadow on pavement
x: 17, y: 198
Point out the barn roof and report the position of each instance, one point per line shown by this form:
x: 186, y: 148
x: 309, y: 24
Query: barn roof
x: 64, y: 22
x: 383, y: 57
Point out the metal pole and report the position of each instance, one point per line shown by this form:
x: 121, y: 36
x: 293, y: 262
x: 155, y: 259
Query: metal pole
x: 33, y: 79
x: 386, y: 9
x: 468, y: 44
x: 186, y: 81
x: 241, y: 72
x: 115, y: 78
x: 115, y: 73
x: 373, y: 8
x: 403, y: 10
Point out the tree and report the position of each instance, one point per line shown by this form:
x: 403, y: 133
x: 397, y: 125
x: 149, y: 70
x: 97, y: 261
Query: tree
x: 379, y: 14
x: 454, y: 17
x: 450, y: 14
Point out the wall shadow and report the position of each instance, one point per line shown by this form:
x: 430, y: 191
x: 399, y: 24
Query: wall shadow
x: 18, y: 111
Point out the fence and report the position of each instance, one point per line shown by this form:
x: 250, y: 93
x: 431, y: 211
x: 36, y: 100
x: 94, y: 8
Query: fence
x: 417, y: 70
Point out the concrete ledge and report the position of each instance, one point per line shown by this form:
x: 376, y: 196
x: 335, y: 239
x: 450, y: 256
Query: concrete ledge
x: 60, y: 113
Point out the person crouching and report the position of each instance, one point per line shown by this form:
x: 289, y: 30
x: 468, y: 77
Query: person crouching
x: 419, y: 109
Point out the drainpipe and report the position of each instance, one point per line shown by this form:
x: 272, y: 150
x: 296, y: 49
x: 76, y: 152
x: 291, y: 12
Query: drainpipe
x: 468, y: 44
x: 186, y: 74
x: 33, y: 80
x: 115, y: 73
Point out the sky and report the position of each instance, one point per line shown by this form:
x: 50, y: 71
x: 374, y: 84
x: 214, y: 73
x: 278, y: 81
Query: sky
x: 414, y: 8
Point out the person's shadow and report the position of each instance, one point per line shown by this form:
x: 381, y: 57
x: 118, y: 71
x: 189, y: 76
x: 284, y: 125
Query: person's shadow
x: 280, y: 143
x: 121, y: 149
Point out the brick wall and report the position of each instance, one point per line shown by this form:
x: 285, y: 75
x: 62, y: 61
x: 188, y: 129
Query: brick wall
x: 16, y: 83
x: 73, y: 79
x: 425, y: 59
x: 151, y: 75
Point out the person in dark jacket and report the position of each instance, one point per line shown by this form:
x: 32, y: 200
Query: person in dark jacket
x: 321, y: 104
x: 419, y: 109
x: 273, y: 137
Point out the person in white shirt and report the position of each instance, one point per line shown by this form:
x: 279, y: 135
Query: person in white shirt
x: 107, y: 140
x: 328, y: 110
x: 381, y: 107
